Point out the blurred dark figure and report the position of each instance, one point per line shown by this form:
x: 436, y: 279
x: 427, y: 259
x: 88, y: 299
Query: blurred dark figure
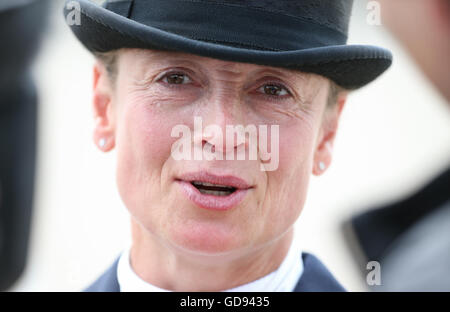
x: 411, y: 238
x: 21, y: 23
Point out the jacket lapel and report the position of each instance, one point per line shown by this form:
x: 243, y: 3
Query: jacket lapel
x: 316, y: 277
x: 107, y: 282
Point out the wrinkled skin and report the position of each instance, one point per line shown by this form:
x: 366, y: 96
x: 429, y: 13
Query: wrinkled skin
x: 176, y: 244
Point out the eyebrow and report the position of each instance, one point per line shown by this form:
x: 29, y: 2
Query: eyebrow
x: 285, y: 73
x: 173, y: 56
x: 176, y: 59
x: 167, y: 56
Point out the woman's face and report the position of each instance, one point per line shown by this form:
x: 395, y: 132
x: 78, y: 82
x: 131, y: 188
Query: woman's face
x: 156, y: 91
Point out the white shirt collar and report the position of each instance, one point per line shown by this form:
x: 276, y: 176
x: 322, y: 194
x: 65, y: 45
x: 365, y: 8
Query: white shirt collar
x: 284, y: 279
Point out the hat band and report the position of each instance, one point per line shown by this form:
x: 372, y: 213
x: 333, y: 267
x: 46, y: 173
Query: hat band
x: 245, y: 27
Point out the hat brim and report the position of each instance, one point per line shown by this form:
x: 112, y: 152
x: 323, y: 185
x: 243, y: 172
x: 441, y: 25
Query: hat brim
x: 350, y: 66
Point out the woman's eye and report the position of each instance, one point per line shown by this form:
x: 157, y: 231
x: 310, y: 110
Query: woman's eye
x: 273, y: 90
x: 176, y: 79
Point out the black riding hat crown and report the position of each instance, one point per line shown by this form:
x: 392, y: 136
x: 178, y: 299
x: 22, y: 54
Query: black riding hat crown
x: 307, y: 35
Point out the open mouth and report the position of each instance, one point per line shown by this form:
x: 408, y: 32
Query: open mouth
x: 213, y: 189
x: 214, y: 192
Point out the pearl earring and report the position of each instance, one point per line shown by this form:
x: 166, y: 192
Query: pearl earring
x: 321, y: 166
x: 102, y: 142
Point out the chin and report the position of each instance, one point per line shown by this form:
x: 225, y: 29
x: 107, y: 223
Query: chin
x: 206, y: 238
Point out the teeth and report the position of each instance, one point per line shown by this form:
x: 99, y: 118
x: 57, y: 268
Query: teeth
x: 217, y: 193
x: 213, y: 189
x: 211, y: 184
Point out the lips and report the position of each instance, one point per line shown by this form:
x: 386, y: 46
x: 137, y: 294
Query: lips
x: 211, y: 191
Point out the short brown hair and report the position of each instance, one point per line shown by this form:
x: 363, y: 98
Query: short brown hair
x: 109, y: 60
x: 333, y: 93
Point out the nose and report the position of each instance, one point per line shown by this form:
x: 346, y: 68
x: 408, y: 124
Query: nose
x: 220, y: 116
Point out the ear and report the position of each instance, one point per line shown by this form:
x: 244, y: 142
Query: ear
x: 104, y: 131
x: 327, y: 133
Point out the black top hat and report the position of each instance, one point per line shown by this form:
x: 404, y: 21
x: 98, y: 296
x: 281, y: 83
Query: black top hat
x: 308, y: 35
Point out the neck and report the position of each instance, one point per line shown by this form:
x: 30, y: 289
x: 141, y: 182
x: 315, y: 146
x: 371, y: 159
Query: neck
x: 167, y: 267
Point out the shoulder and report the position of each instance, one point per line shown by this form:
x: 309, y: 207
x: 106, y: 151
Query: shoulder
x: 107, y: 282
x: 316, y: 277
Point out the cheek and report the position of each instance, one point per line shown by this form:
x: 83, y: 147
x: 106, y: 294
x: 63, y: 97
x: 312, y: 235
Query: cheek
x: 142, y: 137
x: 143, y: 145
x: 296, y: 149
x: 288, y: 185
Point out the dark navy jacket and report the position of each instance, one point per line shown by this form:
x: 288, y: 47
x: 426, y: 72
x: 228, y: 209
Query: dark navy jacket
x: 315, y: 278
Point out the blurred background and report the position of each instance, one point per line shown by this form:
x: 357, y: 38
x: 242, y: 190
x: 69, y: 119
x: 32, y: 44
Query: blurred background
x: 394, y: 137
